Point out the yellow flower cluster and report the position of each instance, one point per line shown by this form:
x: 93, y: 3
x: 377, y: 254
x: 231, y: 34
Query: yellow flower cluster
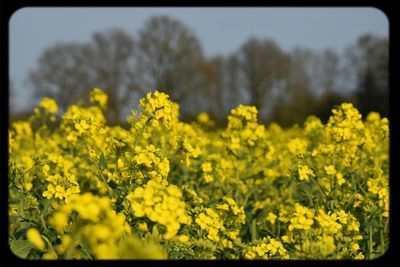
x: 302, y: 218
x: 95, y: 222
x: 207, y: 169
x: 231, y: 206
x: 269, y: 248
x: 329, y: 221
x: 321, y: 248
x: 242, y: 125
x: 160, y: 108
x: 297, y: 146
x: 210, y: 221
x: 305, y: 172
x: 88, y: 190
x: 346, y: 123
x: 49, y: 104
x: 153, y: 166
x: 99, y: 97
x: 161, y: 204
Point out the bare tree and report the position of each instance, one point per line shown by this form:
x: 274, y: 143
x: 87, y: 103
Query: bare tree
x: 265, y: 69
x: 111, y: 63
x: 169, y: 56
x: 368, y: 63
x: 67, y: 72
x: 61, y: 74
x: 227, y: 91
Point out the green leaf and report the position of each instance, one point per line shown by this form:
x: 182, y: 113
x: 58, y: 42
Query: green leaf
x: 20, y: 247
x: 21, y: 231
x: 12, y: 219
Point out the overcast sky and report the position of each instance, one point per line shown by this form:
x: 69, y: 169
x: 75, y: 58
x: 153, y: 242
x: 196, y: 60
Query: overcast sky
x: 220, y: 30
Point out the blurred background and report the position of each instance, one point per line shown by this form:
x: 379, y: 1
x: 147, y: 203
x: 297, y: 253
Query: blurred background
x: 288, y: 62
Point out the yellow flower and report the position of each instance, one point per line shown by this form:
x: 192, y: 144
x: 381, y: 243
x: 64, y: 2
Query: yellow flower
x: 46, y: 169
x: 330, y: 170
x: 183, y: 238
x: 359, y: 256
x: 34, y: 237
x: 143, y: 227
x: 28, y: 186
x: 271, y: 217
x: 59, y: 221
x: 305, y: 172
x: 49, y: 256
x: 99, y: 97
x: 49, y: 105
x: 206, y: 167
x: 340, y: 179
x: 120, y: 164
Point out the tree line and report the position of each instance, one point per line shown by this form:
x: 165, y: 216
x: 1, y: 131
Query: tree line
x: 285, y: 86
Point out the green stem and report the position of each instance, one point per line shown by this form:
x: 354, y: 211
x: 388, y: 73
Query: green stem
x: 370, y: 242
x: 142, y: 131
x: 49, y: 244
x: 99, y: 171
x: 319, y: 187
x: 253, y: 230
x: 73, y: 245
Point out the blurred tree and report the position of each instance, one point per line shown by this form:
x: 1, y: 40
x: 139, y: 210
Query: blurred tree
x: 289, y: 105
x: 321, y: 68
x: 329, y: 70
x: 369, y: 62
x: 327, y: 101
x: 227, y: 91
x: 111, y: 61
x: 61, y: 74
x: 265, y: 69
x: 67, y: 72
x: 312, y: 87
x: 169, y: 57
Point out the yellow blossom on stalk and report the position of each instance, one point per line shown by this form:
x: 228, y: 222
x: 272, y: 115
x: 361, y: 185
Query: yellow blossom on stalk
x: 269, y: 248
x: 28, y: 186
x: 359, y: 256
x: 120, y: 163
x: 49, y: 104
x: 319, y: 249
x: 205, y: 119
x: 305, y: 172
x: 46, y: 169
x: 340, y: 179
x: 143, y: 227
x: 210, y: 221
x: 82, y: 126
x: 297, y: 146
x: 328, y: 221
x: 161, y: 204
x: 92, y: 154
x: 271, y: 217
x: 206, y: 167
x: 59, y: 221
x: 99, y: 97
x: 330, y: 170
x: 359, y: 198
x: 98, y: 225
x: 302, y: 218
